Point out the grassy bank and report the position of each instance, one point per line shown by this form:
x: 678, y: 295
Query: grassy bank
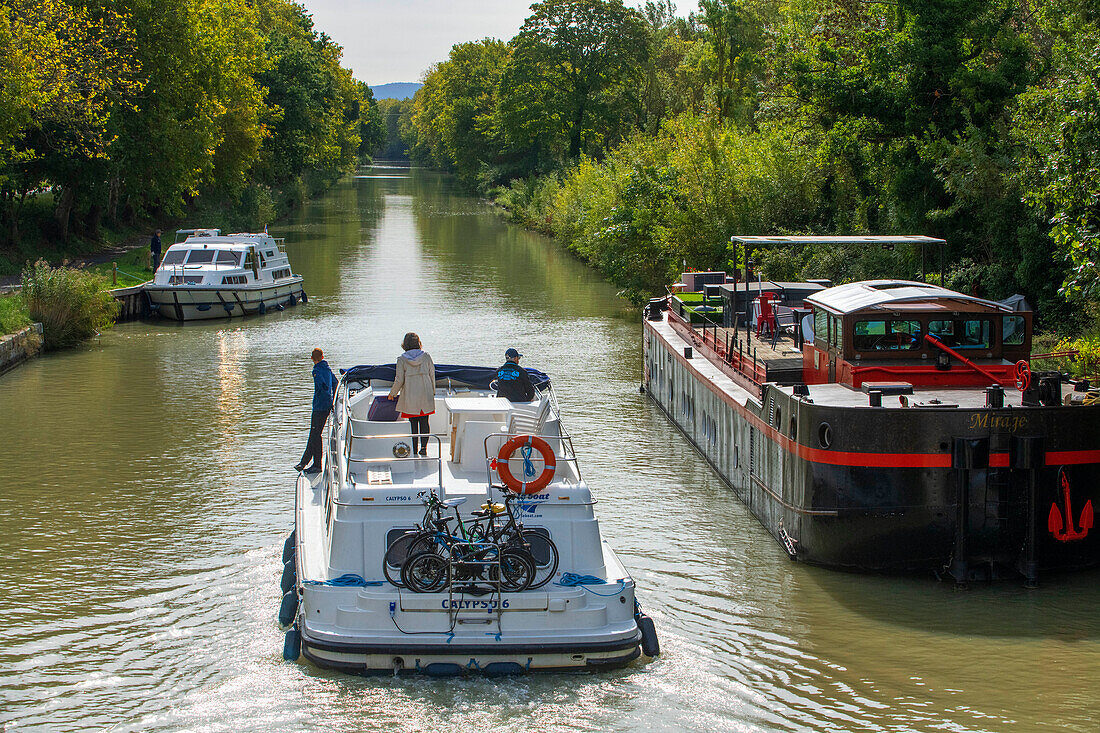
x: 13, y: 314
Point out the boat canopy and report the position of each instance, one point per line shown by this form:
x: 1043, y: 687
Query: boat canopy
x: 853, y: 297
x: 467, y: 376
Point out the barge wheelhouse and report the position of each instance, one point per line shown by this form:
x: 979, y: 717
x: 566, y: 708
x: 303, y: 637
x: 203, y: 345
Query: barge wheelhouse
x: 892, y: 426
x: 208, y: 274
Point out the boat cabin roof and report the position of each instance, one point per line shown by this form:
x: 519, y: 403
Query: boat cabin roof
x: 208, y: 237
x: 899, y: 295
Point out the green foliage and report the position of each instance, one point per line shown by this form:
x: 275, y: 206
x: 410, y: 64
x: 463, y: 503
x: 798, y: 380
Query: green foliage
x: 574, y: 76
x: 124, y: 111
x: 393, y: 113
x: 1058, y: 128
x: 70, y: 304
x: 13, y: 314
x: 453, y: 114
x: 658, y: 203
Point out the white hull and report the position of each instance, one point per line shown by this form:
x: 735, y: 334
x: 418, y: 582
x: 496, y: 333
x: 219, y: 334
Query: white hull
x: 345, y: 518
x: 188, y: 303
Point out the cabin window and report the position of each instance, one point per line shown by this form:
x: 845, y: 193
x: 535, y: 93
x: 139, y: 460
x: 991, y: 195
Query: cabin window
x: 174, y: 256
x: 185, y: 279
x: 821, y: 327
x: 1013, y: 330
x: 971, y: 333
x: 200, y: 256
x: 886, y: 335
x: 234, y: 280
x: 836, y: 332
x: 226, y: 257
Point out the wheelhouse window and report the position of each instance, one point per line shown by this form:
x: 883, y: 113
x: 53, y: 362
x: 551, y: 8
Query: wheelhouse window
x: 836, y: 331
x: 174, y: 256
x: 1013, y: 330
x: 228, y: 257
x: 200, y: 257
x: 972, y: 333
x: 886, y: 335
x: 821, y: 327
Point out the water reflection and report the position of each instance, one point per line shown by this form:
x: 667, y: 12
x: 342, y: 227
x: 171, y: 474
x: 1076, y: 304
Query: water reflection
x: 148, y: 492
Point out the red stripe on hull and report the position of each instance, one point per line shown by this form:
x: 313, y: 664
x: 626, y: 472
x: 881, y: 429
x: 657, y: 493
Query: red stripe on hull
x: 869, y: 460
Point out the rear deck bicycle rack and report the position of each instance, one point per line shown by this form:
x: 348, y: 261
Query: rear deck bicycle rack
x: 496, y: 600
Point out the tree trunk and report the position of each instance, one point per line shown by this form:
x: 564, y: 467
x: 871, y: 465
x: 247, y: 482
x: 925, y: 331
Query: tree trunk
x: 575, y: 134
x: 112, y: 199
x: 94, y: 219
x: 64, y: 211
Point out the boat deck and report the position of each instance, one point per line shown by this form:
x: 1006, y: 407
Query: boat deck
x: 772, y: 364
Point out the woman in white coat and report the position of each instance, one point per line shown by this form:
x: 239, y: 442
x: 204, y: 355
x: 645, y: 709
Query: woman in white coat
x: 414, y: 389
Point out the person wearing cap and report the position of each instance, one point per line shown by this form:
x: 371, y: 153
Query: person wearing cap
x: 154, y: 250
x: 513, y: 382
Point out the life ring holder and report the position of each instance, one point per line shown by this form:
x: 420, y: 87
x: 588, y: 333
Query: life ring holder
x: 549, y: 462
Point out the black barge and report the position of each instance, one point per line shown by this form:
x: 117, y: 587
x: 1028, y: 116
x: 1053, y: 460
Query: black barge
x: 889, y: 426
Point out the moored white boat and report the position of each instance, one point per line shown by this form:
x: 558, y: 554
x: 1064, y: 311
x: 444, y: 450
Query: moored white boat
x: 213, y: 275
x: 349, y: 612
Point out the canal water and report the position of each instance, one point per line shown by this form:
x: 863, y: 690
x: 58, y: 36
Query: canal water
x: 147, y: 491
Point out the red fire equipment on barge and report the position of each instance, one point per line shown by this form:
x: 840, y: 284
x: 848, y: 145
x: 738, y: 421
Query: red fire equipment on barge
x: 884, y: 425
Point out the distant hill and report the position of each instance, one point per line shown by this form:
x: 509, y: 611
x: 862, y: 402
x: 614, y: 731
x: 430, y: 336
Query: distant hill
x: 396, y: 90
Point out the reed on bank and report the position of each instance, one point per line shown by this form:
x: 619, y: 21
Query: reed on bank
x: 72, y: 304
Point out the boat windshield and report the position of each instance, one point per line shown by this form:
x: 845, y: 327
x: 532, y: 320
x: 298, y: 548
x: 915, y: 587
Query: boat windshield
x: 962, y: 334
x: 200, y: 256
x: 174, y: 256
x: 886, y: 335
x: 228, y: 257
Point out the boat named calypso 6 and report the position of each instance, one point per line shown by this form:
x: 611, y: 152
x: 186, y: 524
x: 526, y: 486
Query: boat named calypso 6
x: 482, y: 556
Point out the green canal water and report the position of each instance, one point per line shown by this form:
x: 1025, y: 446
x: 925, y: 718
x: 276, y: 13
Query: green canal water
x: 147, y: 489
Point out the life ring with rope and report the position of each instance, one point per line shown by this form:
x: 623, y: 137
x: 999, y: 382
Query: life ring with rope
x: 526, y: 443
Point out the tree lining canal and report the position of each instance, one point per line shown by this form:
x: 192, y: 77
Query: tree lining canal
x: 149, y: 489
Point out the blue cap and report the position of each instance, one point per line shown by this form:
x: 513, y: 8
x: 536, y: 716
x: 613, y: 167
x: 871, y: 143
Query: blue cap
x: 512, y: 354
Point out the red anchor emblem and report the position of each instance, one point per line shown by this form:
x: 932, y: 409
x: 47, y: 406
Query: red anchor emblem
x: 1057, y: 527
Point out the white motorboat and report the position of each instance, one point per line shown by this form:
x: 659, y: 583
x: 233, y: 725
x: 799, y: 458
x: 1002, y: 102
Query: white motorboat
x: 350, y: 606
x: 207, y: 274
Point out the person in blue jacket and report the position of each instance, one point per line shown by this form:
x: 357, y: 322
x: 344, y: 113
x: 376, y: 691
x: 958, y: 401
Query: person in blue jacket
x: 324, y: 392
x: 513, y: 382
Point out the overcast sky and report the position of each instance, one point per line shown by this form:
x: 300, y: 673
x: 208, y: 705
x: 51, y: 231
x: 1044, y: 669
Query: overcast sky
x: 396, y: 40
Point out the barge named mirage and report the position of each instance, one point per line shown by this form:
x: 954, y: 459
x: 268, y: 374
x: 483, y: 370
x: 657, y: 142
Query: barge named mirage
x: 888, y: 426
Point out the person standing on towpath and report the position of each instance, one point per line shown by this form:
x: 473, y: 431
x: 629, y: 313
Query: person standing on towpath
x: 324, y: 391
x: 154, y: 250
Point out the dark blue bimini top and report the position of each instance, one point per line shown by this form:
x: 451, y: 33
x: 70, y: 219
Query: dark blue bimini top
x: 462, y: 376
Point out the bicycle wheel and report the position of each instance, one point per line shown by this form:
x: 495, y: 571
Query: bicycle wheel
x: 426, y: 572
x: 516, y: 572
x: 404, y: 547
x: 541, y: 547
x: 543, y: 553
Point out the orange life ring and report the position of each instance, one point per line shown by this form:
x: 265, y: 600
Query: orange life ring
x: 548, y: 460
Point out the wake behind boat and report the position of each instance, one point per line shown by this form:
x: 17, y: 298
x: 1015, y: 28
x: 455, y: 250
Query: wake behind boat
x: 484, y: 556
x: 213, y: 275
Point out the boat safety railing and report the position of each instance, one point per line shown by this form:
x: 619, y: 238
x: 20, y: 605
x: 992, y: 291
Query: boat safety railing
x: 411, y: 457
x: 736, y: 353
x: 563, y: 452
